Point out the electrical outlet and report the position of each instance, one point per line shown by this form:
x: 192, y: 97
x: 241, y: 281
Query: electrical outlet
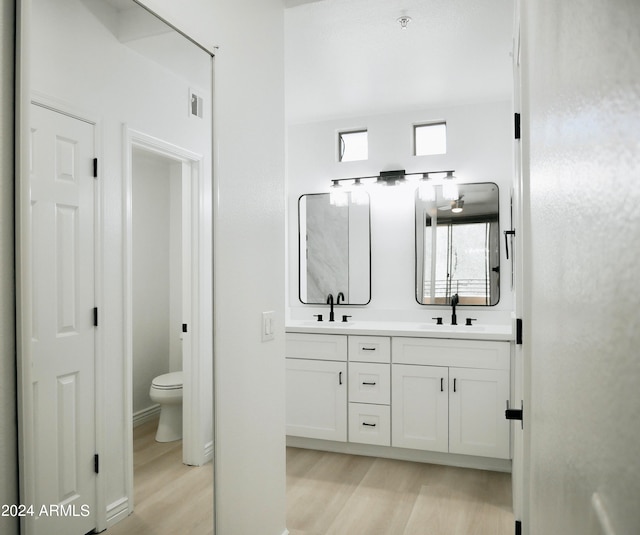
x: 267, y: 326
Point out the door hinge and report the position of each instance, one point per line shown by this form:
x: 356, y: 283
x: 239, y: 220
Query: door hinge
x: 518, y: 527
x: 96, y: 463
x: 184, y: 327
x: 95, y: 168
x: 519, y: 331
x: 95, y: 316
x: 507, y: 233
x: 516, y: 125
x: 515, y: 414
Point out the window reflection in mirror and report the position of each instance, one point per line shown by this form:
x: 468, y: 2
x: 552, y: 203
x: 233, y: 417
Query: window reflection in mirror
x: 334, y: 250
x: 458, y: 245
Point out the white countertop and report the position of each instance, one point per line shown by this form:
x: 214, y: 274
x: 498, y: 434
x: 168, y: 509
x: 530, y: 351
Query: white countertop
x: 501, y: 332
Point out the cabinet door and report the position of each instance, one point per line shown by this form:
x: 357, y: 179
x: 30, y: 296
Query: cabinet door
x: 316, y: 403
x: 419, y: 407
x: 477, y: 401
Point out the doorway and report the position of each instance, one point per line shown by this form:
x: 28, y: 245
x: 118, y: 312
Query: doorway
x: 163, y: 274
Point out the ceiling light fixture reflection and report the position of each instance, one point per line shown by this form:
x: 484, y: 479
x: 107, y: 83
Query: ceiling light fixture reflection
x: 457, y: 205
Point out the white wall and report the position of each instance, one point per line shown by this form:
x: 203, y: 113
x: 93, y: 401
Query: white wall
x: 111, y: 82
x: 8, y: 428
x: 581, y: 114
x: 479, y: 148
x: 249, y: 255
x: 151, y: 274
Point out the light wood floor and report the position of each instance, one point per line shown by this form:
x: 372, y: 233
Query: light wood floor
x: 170, y: 497
x: 327, y: 494
x: 335, y: 494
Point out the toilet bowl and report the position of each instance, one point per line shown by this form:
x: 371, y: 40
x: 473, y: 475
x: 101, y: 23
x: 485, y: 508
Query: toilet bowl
x: 166, y: 390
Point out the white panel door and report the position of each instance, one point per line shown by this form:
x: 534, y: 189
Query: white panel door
x: 419, y: 407
x: 317, y: 399
x: 63, y: 332
x: 477, y: 401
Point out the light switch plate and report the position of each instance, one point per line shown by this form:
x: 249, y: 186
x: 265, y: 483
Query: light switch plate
x: 267, y: 326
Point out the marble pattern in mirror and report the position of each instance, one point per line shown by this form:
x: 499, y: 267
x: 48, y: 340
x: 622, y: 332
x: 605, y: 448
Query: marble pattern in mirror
x: 334, y: 250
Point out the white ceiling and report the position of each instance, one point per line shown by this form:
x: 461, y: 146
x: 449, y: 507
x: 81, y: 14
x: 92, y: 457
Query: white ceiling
x: 350, y: 57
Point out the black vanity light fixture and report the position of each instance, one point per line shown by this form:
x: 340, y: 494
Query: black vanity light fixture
x: 357, y: 187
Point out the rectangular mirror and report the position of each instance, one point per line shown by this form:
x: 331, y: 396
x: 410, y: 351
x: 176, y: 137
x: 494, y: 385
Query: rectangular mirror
x: 457, y: 244
x: 334, y: 250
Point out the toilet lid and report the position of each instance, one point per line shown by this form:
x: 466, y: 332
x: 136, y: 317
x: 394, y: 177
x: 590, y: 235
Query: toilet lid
x: 168, y: 381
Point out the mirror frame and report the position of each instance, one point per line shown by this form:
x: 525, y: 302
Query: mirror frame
x: 416, y: 278
x: 347, y: 303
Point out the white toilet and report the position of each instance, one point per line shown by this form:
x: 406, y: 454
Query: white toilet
x: 167, y: 391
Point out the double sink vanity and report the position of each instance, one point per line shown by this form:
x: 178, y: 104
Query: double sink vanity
x: 434, y: 393
x: 430, y: 391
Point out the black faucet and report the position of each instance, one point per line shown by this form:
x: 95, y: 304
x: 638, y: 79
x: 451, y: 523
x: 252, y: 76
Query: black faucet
x: 330, y: 303
x: 340, y: 296
x: 454, y: 301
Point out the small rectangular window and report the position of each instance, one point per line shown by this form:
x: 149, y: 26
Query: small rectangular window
x: 430, y: 139
x: 353, y: 146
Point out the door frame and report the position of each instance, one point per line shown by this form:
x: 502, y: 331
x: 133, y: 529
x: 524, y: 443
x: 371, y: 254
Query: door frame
x: 194, y: 449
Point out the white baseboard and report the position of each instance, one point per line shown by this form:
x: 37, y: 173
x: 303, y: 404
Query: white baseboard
x: 117, y: 511
x: 145, y: 415
x: 448, y: 459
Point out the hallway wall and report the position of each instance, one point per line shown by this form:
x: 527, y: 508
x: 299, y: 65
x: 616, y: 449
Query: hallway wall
x: 249, y: 254
x: 8, y: 429
x: 581, y: 126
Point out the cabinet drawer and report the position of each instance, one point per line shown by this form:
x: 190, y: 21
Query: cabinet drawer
x: 369, y: 383
x: 316, y: 346
x: 449, y: 352
x: 370, y: 424
x: 369, y: 348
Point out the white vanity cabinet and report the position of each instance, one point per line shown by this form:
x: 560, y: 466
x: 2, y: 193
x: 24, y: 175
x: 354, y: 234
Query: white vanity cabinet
x: 316, y: 386
x: 450, y: 396
x: 426, y: 394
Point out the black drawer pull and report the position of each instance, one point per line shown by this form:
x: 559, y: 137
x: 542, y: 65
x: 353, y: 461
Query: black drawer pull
x: 368, y: 425
x: 368, y: 349
x: 369, y: 384
x: 454, y: 385
x: 441, y: 384
x: 340, y: 378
